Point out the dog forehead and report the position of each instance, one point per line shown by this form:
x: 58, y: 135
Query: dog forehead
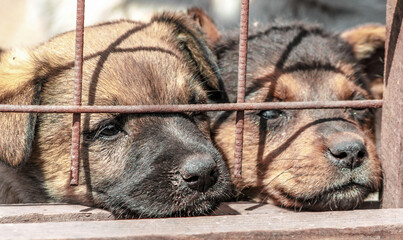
x: 145, y: 78
x: 127, y: 63
x: 103, y: 40
x: 319, y: 85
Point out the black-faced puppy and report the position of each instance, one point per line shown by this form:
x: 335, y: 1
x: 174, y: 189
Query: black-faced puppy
x: 309, y: 159
x: 135, y: 165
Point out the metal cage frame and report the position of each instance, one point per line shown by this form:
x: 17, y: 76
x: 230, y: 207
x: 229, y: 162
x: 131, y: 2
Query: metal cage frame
x: 392, y: 120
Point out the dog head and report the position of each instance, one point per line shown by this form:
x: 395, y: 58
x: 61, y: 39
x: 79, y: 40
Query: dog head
x: 310, y: 159
x: 136, y: 165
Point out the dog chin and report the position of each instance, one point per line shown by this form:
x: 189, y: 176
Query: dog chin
x: 346, y: 197
x: 198, y: 208
x: 177, y: 205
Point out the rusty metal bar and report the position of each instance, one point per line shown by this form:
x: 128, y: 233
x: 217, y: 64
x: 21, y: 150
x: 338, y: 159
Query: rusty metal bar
x: 78, y: 73
x: 242, y: 63
x: 392, y: 113
x: 192, y: 107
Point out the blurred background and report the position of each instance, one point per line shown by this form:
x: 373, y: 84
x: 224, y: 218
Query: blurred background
x: 29, y: 22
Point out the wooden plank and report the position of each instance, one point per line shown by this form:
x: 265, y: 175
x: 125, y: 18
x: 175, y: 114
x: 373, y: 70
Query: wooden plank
x: 30, y: 213
x: 392, y: 113
x: 274, y: 223
x: 35, y: 213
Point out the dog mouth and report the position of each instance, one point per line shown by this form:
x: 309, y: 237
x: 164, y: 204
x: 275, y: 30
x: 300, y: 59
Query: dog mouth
x: 168, y: 203
x: 183, y: 207
x: 345, y: 197
x: 169, y: 188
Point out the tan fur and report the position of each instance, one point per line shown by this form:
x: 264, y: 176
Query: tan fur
x: 286, y: 162
x: 368, y: 43
x: 166, y: 73
x: 16, y: 71
x: 292, y: 160
x: 365, y: 39
x: 206, y: 23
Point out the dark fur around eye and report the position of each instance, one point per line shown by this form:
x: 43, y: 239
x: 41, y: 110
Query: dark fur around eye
x: 361, y: 115
x: 271, y: 114
x: 272, y: 119
x: 107, y: 130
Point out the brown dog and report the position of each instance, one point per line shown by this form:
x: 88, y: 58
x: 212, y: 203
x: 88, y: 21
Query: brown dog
x: 135, y: 165
x: 310, y: 159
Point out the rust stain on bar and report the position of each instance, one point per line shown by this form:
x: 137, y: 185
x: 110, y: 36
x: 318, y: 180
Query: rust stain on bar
x: 243, y: 50
x: 193, y: 107
x: 78, y: 72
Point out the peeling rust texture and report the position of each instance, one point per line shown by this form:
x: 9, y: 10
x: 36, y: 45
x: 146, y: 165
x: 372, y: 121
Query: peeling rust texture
x: 78, y: 74
x: 192, y: 107
x: 242, y: 63
x: 392, y: 112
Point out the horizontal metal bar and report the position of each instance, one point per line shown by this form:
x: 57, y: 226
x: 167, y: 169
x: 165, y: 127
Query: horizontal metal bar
x: 191, y: 108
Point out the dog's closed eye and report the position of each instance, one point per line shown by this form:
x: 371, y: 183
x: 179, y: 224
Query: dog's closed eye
x: 271, y: 114
x: 360, y: 114
x: 274, y: 118
x: 106, y: 130
x: 109, y: 132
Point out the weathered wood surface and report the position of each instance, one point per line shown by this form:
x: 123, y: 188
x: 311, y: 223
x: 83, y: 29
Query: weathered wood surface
x: 241, y: 221
x: 30, y: 213
x: 36, y: 213
x: 392, y: 118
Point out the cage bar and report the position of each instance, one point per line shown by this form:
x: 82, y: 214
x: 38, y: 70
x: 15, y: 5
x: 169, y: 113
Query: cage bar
x: 360, y: 104
x: 242, y: 63
x: 392, y: 120
x: 78, y: 73
x: 392, y: 112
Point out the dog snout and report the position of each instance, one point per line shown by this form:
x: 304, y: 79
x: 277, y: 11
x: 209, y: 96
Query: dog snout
x: 346, y: 151
x: 199, y: 172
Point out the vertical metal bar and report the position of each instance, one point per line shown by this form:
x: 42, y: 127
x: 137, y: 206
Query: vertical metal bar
x: 243, y: 49
x: 78, y: 72
x: 392, y: 112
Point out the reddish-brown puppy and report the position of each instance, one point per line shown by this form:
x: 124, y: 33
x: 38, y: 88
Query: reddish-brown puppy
x: 150, y: 165
x: 310, y: 159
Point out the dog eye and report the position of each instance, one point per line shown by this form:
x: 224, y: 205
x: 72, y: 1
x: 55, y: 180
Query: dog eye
x: 271, y: 114
x: 361, y: 114
x: 195, y: 113
x: 109, y: 131
x: 357, y: 110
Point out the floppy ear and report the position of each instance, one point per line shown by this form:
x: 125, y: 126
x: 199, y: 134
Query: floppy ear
x: 206, y: 24
x: 198, y: 54
x: 368, y: 42
x: 18, y: 86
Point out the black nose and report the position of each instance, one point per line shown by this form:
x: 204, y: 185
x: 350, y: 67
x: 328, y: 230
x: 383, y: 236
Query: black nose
x: 347, y: 153
x: 199, y: 172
